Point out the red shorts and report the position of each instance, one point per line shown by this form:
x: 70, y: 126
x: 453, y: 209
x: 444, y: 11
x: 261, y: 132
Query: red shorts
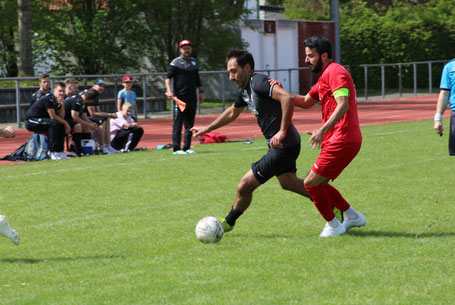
x: 334, y: 158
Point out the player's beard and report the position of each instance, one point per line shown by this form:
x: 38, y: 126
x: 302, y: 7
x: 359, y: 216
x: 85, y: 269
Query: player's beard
x: 318, y: 67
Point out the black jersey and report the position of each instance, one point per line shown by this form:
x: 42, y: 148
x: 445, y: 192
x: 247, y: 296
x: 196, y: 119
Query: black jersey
x: 39, y: 108
x: 75, y: 103
x: 185, y: 75
x: 258, y: 98
x: 96, y: 102
x: 36, y: 96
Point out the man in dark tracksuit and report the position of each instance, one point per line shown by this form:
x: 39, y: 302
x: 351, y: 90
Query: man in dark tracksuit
x: 185, y: 74
x: 46, y: 115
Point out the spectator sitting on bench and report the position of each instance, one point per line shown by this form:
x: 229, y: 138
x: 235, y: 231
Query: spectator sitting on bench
x: 72, y: 87
x: 44, y: 87
x: 125, y: 133
x: 46, y: 115
x: 102, y: 119
x: 81, y: 126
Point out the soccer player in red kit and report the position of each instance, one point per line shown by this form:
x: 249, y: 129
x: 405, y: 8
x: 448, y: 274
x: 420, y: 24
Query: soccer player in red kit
x: 339, y: 137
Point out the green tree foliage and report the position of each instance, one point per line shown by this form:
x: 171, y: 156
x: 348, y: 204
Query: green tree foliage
x: 307, y: 9
x: 8, y: 28
x: 87, y: 37
x: 211, y: 25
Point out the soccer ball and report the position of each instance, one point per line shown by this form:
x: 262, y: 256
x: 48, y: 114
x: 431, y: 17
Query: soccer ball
x: 209, y: 230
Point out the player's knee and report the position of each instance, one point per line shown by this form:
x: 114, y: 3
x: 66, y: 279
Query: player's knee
x: 244, y: 186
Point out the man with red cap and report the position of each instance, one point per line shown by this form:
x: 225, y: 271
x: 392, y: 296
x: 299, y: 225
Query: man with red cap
x: 184, y: 72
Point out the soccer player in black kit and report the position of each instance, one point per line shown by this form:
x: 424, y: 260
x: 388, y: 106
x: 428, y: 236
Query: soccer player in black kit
x: 185, y: 74
x: 273, y: 109
x: 46, y: 115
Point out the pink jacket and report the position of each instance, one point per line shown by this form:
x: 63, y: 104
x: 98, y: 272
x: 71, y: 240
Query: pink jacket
x: 119, y: 123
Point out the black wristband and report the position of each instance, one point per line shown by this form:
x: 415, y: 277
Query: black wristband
x: 201, y: 91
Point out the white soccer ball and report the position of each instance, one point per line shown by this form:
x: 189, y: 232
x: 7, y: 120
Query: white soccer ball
x: 209, y: 230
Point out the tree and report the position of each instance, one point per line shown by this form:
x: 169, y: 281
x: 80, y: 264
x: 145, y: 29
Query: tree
x: 211, y: 25
x: 88, y: 37
x: 8, y: 27
x: 25, y: 38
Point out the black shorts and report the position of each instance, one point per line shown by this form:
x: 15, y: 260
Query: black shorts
x: 98, y: 121
x: 276, y: 162
x: 72, y: 124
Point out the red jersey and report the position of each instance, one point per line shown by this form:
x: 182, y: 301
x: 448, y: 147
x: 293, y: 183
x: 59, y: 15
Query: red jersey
x: 347, y: 129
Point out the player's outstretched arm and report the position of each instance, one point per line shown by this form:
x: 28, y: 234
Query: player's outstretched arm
x: 225, y: 118
x: 303, y: 101
x: 443, y: 101
x: 7, y: 132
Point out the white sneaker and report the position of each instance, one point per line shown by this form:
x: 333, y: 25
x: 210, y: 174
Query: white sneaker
x: 71, y: 154
x: 107, y: 151
x: 179, y: 152
x: 190, y: 151
x: 329, y: 231
x: 54, y: 155
x: 112, y: 149
x: 7, y: 231
x: 63, y: 156
x: 359, y: 222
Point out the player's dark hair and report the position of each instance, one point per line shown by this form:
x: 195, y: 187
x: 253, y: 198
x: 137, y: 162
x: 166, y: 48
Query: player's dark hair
x: 243, y: 57
x: 91, y: 94
x: 320, y: 43
x: 44, y: 75
x: 60, y: 84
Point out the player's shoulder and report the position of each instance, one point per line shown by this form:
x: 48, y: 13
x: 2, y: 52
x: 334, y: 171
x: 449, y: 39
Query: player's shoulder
x: 259, y: 81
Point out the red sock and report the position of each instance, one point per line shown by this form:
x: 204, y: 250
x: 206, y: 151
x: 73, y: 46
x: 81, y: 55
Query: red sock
x: 336, y: 199
x: 321, y: 200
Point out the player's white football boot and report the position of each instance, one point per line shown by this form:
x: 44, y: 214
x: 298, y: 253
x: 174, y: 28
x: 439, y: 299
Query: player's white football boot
x: 359, y: 222
x: 7, y: 231
x: 329, y: 231
x: 179, y: 152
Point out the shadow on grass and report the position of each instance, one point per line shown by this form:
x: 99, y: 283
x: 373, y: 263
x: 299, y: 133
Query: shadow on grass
x: 26, y: 260
x: 363, y: 233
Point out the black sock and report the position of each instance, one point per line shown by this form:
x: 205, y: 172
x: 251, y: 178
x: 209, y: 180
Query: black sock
x: 232, y: 216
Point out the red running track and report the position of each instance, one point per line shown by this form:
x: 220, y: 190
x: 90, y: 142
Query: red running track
x: 158, y: 131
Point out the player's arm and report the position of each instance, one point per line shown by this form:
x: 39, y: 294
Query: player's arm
x: 225, y: 118
x: 7, y: 132
x: 342, y: 99
x: 443, y: 101
x: 287, y: 109
x: 303, y: 101
x: 54, y: 116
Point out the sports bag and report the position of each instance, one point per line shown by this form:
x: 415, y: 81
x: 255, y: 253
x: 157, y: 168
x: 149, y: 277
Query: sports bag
x: 36, y: 148
x: 213, y: 137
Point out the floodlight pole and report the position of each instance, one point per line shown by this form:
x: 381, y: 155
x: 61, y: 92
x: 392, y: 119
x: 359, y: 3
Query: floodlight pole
x: 335, y: 17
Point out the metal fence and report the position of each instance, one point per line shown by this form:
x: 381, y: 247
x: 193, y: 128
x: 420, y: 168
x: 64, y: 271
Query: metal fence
x: 216, y: 86
x: 400, y: 66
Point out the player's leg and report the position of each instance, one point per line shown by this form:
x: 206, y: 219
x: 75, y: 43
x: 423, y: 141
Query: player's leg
x: 7, y: 231
x: 176, y: 130
x: 188, y: 123
x: 242, y: 200
x: 452, y: 135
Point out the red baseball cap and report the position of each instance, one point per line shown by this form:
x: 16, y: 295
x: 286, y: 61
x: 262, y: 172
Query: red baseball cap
x: 127, y: 78
x: 185, y: 43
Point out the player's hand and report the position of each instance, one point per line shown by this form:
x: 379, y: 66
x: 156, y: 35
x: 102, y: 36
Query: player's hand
x: 274, y: 82
x: 198, y: 131
x: 67, y: 129
x: 8, y: 132
x: 276, y: 141
x: 438, y: 127
x: 316, y: 138
x: 201, y: 97
x: 169, y: 94
x: 94, y: 127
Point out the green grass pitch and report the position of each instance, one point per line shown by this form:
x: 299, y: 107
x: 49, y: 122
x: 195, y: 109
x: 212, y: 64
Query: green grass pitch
x: 119, y: 229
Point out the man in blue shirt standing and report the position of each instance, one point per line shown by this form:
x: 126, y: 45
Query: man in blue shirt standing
x: 447, y: 96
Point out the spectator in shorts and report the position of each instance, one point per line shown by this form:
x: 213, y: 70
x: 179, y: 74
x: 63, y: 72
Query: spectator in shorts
x: 126, y: 95
x: 125, y: 133
x: 5, y: 228
x: 72, y: 87
x: 46, y: 115
x: 447, y: 97
x: 44, y: 87
x: 101, y: 118
x: 81, y: 126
